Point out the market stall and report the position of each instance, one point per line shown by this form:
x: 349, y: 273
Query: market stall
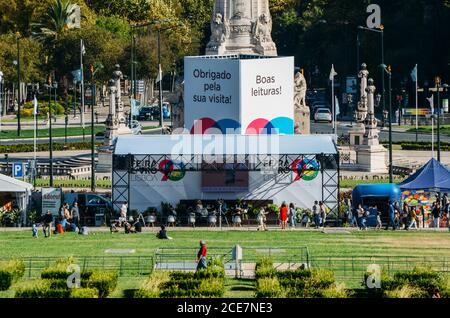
x: 420, y: 189
x: 14, y: 196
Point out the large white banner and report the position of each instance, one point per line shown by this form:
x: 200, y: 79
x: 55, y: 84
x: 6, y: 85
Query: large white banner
x: 267, y: 96
x: 51, y: 200
x: 211, y: 95
x: 239, y: 95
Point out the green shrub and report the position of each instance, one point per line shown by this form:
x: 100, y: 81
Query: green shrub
x: 211, y: 288
x: 41, y: 289
x: 104, y: 281
x: 45, y: 147
x: 264, y: 268
x: 406, y: 291
x: 84, y: 293
x: 27, y: 108
x: 151, y: 287
x: 268, y: 287
x: 335, y: 291
x: 10, y: 272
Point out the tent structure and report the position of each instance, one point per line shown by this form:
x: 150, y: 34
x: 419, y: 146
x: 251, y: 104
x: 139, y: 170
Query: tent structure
x: 433, y: 177
x: 17, y: 190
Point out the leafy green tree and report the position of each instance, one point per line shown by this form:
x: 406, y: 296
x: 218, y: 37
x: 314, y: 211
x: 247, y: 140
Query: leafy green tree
x: 31, y: 58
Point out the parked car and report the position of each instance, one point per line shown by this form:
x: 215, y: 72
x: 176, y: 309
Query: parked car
x: 136, y: 127
x: 323, y: 114
x: 95, y: 209
x: 148, y: 113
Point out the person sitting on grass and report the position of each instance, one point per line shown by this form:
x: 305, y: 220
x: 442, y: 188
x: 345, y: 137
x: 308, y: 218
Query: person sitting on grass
x: 162, y: 234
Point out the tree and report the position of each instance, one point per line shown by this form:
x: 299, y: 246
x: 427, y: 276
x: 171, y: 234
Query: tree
x: 56, y: 20
x: 31, y: 58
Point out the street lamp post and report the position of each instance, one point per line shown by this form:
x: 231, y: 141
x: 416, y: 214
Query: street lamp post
x: 161, y: 120
x: 19, y: 95
x: 380, y: 30
x: 93, y: 71
x: 50, y: 128
x: 387, y: 69
x: 438, y: 86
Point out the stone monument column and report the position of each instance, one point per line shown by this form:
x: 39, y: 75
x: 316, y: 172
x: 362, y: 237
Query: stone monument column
x: 241, y: 27
x: 302, y: 112
x: 358, y: 131
x: 371, y: 156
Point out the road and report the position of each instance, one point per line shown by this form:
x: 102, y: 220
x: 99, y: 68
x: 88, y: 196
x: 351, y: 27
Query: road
x: 344, y: 128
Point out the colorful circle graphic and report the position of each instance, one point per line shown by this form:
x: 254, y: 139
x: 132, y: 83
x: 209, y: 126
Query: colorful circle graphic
x: 173, y: 171
x: 209, y: 125
x: 306, y: 169
x: 279, y: 125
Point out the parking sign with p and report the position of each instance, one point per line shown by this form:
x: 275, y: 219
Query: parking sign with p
x: 18, y: 170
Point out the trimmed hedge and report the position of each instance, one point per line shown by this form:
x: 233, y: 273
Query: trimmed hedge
x: 420, y: 282
x: 45, y: 147
x: 302, y: 283
x: 104, y: 281
x: 84, y: 293
x: 10, y: 272
x: 209, y: 282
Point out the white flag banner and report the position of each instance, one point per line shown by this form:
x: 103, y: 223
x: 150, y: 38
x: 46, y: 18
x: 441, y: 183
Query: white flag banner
x: 83, y: 48
x: 159, y: 78
x: 338, y: 110
x: 431, y: 101
x: 35, y: 104
x: 332, y: 73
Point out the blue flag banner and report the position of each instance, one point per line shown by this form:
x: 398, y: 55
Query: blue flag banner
x: 135, y: 105
x: 77, y: 75
x: 414, y: 74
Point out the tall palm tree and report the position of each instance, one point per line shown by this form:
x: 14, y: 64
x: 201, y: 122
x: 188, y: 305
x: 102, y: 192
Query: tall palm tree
x: 60, y: 16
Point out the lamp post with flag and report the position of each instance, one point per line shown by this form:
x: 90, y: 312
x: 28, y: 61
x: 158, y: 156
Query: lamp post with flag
x: 431, y: 101
x: 82, y: 52
x: 414, y: 76
x: 35, y: 112
x: 438, y: 86
x: 333, y: 101
x: 388, y: 70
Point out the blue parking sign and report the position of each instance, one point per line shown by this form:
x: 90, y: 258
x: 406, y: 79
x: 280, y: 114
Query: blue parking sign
x: 18, y: 170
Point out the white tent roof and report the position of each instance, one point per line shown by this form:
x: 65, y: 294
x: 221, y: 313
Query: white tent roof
x: 225, y: 144
x: 8, y: 184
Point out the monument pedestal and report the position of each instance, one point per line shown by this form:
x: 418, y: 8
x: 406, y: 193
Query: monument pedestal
x: 372, y: 158
x: 302, y: 121
x: 357, y: 135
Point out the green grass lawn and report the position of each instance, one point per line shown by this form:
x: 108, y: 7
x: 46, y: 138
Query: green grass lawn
x: 382, y: 244
x: 445, y: 129
x: 56, y: 132
x: 366, y: 243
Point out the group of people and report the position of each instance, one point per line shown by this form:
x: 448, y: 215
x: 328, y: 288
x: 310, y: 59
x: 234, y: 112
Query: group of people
x: 129, y: 225
x: 67, y: 220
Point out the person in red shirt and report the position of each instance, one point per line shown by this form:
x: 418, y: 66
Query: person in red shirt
x: 201, y: 256
x: 283, y: 216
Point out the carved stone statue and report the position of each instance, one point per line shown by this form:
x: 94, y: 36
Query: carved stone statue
x: 301, y: 110
x: 262, y: 30
x: 219, y: 29
x: 178, y: 110
x: 361, y: 111
x: 371, y: 134
x: 241, y: 27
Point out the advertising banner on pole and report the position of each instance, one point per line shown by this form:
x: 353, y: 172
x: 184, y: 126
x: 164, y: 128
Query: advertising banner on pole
x: 51, y: 200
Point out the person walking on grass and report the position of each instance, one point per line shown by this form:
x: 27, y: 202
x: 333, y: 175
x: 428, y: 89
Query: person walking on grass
x: 47, y: 221
x: 261, y: 218
x: 316, y: 214
x: 361, y: 218
x: 201, y: 256
x: 391, y: 216
x: 436, y: 214
x: 283, y: 215
x: 75, y: 212
x: 292, y: 215
x: 323, y: 213
x: 413, y: 216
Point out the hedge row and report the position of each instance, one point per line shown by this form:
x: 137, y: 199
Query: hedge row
x: 53, y: 283
x: 10, y: 272
x: 420, y: 282
x: 209, y: 282
x: 300, y: 283
x: 45, y: 147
